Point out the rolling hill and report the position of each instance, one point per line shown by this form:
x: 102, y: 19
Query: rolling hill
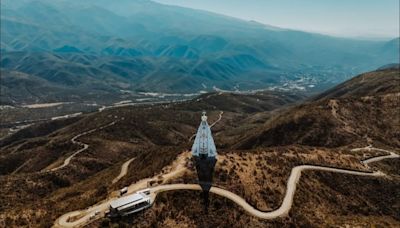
x: 364, y: 108
x: 103, y: 47
x: 260, y: 138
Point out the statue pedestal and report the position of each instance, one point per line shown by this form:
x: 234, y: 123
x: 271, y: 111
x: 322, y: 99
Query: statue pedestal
x: 205, y: 170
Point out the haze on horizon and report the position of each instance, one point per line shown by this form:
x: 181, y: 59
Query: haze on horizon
x: 369, y: 19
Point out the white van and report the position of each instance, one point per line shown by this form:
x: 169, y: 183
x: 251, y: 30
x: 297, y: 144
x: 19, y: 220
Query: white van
x: 145, y: 191
x: 123, y: 191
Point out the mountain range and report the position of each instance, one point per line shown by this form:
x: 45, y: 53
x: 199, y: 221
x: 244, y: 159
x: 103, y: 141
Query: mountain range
x: 94, y: 49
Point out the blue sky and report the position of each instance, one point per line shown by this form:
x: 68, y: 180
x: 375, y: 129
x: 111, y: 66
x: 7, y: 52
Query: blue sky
x: 348, y: 18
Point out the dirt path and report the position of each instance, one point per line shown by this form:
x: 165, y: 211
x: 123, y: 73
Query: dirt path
x: 334, y: 105
x: 124, y: 170
x: 178, y: 167
x: 21, y: 166
x: 219, y: 119
x: 169, y: 172
x: 174, y: 170
x: 83, y: 145
x: 375, y: 159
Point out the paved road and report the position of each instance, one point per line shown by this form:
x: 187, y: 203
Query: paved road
x: 83, y: 145
x: 283, y: 210
x: 286, y: 205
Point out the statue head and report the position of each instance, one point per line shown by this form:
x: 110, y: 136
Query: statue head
x: 204, y: 117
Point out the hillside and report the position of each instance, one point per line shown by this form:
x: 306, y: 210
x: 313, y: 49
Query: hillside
x: 154, y: 126
x: 383, y: 81
x: 260, y: 138
x: 102, y: 47
x: 363, y: 109
x: 145, y: 132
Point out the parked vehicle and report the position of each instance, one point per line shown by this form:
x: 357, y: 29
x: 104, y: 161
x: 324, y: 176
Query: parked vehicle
x: 123, y: 191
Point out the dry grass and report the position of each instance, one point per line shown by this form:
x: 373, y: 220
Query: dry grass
x: 272, y: 142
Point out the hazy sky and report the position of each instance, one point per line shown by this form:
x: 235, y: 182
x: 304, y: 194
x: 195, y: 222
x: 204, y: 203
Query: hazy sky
x: 351, y: 18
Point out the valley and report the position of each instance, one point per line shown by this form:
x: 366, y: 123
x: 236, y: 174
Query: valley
x: 106, y: 53
x: 147, y: 113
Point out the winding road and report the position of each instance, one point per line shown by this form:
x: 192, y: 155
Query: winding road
x: 283, y: 210
x: 294, y: 177
x: 83, y: 145
x: 375, y: 159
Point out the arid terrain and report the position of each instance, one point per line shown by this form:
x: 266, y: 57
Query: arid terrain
x: 260, y: 138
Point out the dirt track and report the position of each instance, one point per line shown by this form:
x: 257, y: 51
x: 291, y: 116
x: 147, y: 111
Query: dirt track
x: 83, y: 145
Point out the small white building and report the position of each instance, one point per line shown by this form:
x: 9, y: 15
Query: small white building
x: 129, y: 204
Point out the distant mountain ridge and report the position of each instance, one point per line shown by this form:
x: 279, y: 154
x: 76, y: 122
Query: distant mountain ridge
x: 142, y: 45
x: 363, y: 107
x: 390, y: 66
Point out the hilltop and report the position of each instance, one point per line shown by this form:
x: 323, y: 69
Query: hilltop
x: 364, y: 108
